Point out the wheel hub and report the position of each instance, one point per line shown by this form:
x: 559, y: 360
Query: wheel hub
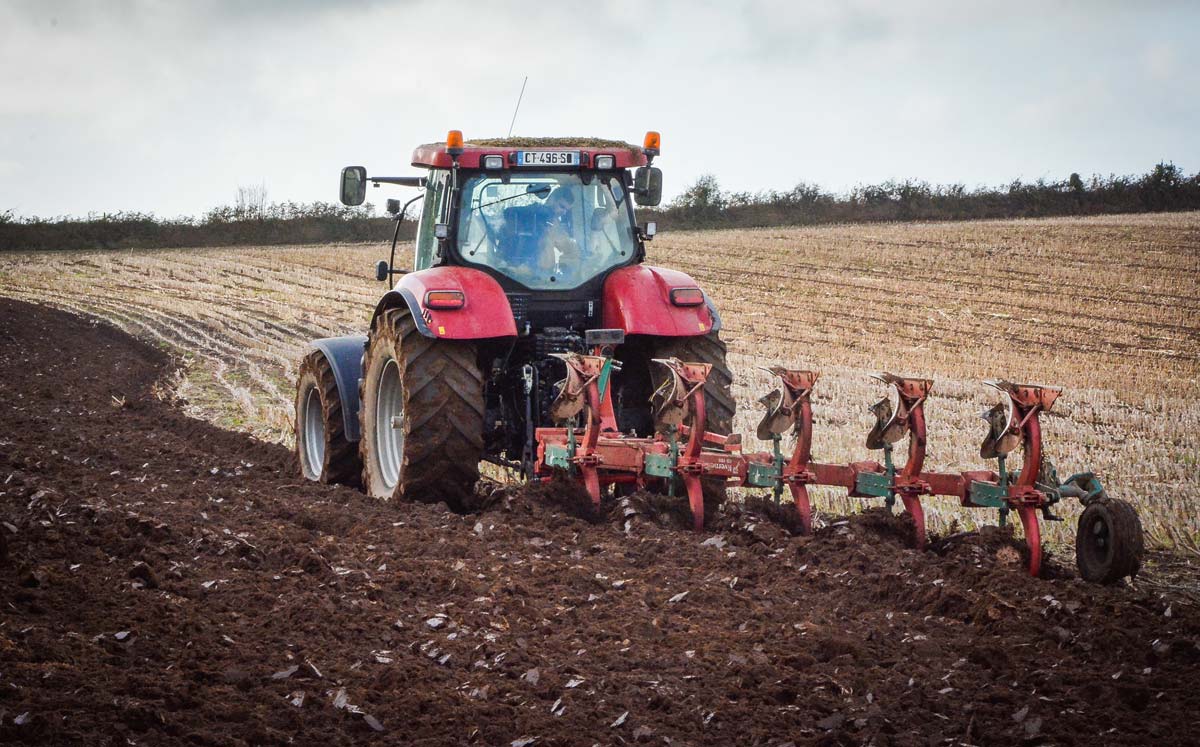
x: 314, y: 435
x: 389, y: 422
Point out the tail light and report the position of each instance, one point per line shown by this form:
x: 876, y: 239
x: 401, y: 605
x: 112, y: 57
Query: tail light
x: 687, y: 296
x: 445, y: 299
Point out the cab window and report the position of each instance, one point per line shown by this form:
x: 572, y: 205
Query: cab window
x: 545, y: 230
x: 431, y: 212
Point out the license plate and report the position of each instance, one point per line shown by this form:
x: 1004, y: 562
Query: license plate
x: 548, y: 158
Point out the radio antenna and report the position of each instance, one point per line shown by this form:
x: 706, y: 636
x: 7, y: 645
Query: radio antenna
x: 518, y: 107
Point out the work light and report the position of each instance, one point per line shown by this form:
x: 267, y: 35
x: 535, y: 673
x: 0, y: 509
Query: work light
x: 604, y: 163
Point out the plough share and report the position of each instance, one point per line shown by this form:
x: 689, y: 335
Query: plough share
x: 683, y: 454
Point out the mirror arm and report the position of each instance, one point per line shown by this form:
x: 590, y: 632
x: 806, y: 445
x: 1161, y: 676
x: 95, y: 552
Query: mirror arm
x: 403, y: 181
x: 392, y: 271
x: 392, y: 256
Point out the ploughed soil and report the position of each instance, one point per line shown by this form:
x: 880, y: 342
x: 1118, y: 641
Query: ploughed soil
x: 167, y: 582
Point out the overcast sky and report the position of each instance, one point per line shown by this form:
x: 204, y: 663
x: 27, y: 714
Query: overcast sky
x: 170, y: 106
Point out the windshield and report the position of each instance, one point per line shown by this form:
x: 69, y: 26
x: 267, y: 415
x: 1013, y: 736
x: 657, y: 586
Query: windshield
x: 545, y: 230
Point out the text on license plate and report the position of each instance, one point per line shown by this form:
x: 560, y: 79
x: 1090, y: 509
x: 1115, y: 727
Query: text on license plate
x: 548, y: 158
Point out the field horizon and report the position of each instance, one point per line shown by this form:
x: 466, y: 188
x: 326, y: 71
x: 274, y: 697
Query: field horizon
x: 1106, y: 307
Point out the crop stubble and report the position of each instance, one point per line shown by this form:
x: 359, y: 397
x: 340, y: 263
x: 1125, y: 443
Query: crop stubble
x: 1104, y: 307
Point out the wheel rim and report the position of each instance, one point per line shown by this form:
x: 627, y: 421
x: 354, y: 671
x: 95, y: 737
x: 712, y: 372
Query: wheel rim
x: 314, y: 435
x: 389, y: 415
x: 1095, y: 542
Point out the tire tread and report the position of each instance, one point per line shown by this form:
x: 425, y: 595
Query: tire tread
x: 444, y: 410
x: 1125, y: 536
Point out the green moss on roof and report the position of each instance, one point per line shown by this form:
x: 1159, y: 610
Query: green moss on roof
x: 549, y: 142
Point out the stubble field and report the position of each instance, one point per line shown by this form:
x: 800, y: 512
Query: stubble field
x: 1105, y: 307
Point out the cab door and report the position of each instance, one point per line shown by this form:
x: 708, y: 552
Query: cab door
x: 431, y: 211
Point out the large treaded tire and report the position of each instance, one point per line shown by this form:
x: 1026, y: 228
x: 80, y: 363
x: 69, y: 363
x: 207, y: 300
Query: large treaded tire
x: 1108, y: 542
x: 336, y: 461
x: 441, y: 388
x: 719, y: 403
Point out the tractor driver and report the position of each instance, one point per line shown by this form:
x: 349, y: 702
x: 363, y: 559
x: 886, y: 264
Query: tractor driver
x: 542, y: 237
x: 603, y: 230
x: 559, y: 250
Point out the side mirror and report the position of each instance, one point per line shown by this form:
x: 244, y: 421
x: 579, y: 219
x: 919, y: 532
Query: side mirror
x: 381, y: 270
x: 647, y: 186
x: 354, y: 185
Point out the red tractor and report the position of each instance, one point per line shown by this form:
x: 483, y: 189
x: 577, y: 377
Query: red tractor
x: 530, y: 334
x: 527, y: 251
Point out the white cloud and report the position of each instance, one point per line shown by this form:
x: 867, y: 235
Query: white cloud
x: 170, y: 106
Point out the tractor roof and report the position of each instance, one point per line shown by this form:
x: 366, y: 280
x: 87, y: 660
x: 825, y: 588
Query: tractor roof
x: 433, y: 155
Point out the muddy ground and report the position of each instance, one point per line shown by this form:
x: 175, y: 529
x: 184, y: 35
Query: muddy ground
x: 167, y: 582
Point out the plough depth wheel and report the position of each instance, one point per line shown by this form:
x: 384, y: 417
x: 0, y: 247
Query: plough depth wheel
x: 1108, y: 542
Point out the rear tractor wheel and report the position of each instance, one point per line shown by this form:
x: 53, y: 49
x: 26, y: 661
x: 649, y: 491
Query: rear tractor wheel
x: 719, y: 403
x: 422, y: 413
x: 321, y: 446
x: 1108, y: 542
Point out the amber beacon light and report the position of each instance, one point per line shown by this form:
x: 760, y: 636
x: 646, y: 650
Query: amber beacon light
x: 652, y: 144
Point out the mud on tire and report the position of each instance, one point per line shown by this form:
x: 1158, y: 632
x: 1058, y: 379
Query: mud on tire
x: 320, y: 428
x: 434, y: 390
x: 719, y: 403
x: 1108, y: 542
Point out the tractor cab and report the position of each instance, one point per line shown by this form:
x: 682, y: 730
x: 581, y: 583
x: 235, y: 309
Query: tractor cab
x: 536, y: 214
x: 544, y: 230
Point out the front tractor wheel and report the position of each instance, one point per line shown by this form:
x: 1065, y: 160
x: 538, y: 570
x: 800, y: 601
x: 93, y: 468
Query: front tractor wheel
x: 321, y: 446
x: 422, y: 415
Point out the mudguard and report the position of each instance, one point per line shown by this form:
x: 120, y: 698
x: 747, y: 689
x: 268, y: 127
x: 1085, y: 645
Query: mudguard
x: 345, y: 356
x: 637, y: 299
x: 485, y: 312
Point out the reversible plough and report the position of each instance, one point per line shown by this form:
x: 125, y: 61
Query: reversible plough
x: 683, y: 454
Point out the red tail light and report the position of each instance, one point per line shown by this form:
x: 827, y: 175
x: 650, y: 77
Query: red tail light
x: 445, y: 300
x: 687, y: 296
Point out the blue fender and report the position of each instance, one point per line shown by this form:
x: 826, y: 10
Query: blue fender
x: 345, y: 356
x: 712, y: 309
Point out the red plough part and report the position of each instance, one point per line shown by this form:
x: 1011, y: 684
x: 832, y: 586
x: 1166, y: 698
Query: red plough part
x: 682, y: 453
